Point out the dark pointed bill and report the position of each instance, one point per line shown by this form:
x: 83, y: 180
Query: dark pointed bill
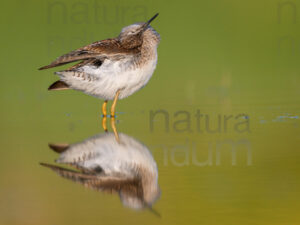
x: 154, y: 211
x: 149, y: 21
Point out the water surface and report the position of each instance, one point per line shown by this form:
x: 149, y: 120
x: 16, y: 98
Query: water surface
x: 220, y: 115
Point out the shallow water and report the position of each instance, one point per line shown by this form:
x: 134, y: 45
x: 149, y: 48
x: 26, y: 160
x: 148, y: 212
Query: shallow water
x: 220, y: 115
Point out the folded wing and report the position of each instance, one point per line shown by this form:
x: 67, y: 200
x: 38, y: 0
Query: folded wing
x: 100, y: 50
x: 97, y: 182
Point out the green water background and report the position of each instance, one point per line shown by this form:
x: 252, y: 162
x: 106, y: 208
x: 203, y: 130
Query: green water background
x: 221, y: 57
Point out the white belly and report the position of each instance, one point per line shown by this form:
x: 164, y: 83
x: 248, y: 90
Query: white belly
x: 110, y: 77
x: 103, y: 150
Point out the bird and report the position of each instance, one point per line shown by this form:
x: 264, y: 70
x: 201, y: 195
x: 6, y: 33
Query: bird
x: 111, y: 69
x: 101, y: 163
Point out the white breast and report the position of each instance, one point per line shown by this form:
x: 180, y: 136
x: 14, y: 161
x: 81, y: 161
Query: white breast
x: 113, y: 157
x: 112, y: 76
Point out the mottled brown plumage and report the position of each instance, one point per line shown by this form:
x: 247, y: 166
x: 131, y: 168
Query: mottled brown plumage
x: 111, y: 69
x: 93, y: 181
x: 110, y: 48
x: 124, y: 167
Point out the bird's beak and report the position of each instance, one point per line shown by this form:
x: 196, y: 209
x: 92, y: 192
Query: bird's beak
x: 149, y: 21
x: 154, y: 211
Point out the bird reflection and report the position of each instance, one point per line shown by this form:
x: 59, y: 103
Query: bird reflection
x: 114, y: 164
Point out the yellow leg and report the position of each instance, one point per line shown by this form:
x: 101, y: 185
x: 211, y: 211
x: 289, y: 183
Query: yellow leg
x: 104, y: 123
x: 113, y: 106
x: 104, y: 112
x: 113, y: 126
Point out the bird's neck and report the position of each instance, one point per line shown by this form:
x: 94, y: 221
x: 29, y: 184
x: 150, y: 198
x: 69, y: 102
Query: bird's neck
x: 149, y: 183
x: 148, y: 49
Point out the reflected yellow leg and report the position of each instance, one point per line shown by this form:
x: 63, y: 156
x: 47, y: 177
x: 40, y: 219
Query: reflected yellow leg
x: 104, y: 123
x: 113, y: 126
x: 113, y: 106
x: 104, y: 112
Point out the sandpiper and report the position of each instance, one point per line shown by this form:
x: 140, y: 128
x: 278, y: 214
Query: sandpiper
x: 103, y: 164
x: 111, y: 69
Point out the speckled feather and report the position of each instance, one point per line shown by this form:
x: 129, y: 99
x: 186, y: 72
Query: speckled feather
x: 125, y: 63
x: 103, y: 164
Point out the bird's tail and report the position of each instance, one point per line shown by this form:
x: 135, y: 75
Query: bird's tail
x: 58, y: 85
x: 59, y: 148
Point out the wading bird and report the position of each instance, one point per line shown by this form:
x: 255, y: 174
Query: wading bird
x: 126, y: 168
x: 111, y: 69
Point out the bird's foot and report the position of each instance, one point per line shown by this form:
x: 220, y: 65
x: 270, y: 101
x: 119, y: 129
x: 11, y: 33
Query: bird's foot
x: 109, y: 116
x: 104, y: 124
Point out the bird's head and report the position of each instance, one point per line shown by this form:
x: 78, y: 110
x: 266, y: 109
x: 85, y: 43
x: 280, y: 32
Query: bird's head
x: 134, y: 35
x: 134, y: 201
